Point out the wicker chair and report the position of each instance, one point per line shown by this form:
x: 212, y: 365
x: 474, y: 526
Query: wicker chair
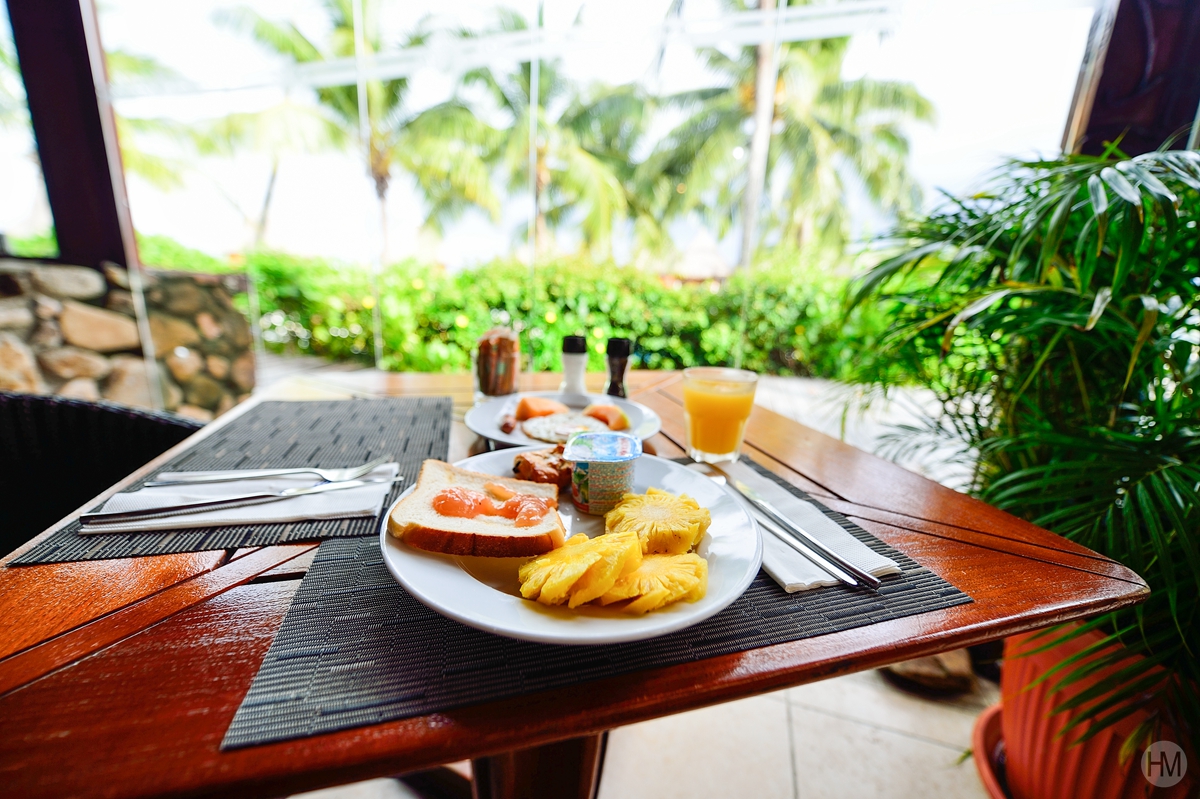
x: 56, y: 454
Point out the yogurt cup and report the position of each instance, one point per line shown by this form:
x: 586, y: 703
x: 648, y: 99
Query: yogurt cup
x: 603, y: 471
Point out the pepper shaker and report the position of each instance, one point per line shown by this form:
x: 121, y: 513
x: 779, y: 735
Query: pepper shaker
x: 618, y: 351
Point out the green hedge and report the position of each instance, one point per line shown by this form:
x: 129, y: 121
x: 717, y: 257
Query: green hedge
x: 432, y: 319
x: 796, y: 321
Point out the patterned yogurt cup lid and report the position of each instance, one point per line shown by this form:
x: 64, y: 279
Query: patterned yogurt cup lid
x: 602, y: 448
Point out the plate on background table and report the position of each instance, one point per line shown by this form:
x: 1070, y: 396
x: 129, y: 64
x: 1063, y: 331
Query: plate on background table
x: 484, y: 592
x: 484, y: 419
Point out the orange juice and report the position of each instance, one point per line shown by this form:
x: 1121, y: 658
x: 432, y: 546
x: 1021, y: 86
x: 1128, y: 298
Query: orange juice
x: 716, y: 405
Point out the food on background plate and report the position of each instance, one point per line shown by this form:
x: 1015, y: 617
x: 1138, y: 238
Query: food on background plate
x: 460, y: 512
x: 611, y: 415
x: 543, y: 466
x: 558, y: 427
x: 666, y: 524
x: 658, y: 581
x: 533, y: 407
x: 581, y: 570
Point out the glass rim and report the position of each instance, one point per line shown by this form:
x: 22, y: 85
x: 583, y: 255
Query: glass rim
x: 722, y: 373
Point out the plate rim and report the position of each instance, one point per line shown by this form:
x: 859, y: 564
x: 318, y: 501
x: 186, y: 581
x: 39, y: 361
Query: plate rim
x: 631, y: 635
x: 651, y: 419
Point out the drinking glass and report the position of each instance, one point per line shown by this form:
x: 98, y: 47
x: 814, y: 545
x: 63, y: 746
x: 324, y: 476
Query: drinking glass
x: 716, y: 405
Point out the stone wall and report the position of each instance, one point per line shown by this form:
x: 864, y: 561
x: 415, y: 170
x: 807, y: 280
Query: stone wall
x: 72, y: 331
x: 202, y: 342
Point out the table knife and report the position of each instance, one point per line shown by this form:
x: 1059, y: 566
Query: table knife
x: 790, y: 540
x: 756, y: 499
x: 167, y: 511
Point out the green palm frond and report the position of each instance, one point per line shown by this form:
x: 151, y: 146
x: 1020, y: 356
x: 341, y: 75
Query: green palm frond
x: 1057, y: 315
x: 827, y: 130
x: 435, y: 145
x: 585, y: 164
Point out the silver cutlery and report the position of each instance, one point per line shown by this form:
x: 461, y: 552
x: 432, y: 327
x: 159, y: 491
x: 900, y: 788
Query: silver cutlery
x: 765, y: 523
x: 111, y: 518
x: 328, y: 475
x: 793, y: 531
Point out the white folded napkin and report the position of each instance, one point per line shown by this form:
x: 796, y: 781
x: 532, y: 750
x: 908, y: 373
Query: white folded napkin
x: 365, y: 500
x: 789, y: 568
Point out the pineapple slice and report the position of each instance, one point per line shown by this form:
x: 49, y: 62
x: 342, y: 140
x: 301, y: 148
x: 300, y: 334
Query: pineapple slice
x: 659, y: 581
x: 581, y: 570
x: 666, y: 524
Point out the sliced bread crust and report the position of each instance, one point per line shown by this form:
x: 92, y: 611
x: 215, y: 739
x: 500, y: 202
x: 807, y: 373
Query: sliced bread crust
x: 416, y: 523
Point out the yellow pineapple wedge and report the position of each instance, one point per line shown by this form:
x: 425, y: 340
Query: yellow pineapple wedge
x: 659, y: 581
x: 581, y: 570
x: 666, y: 524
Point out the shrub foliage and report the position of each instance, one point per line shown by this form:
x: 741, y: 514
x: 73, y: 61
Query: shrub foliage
x: 432, y: 319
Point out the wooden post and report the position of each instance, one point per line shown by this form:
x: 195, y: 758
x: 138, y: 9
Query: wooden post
x: 74, y: 128
x: 1147, y: 88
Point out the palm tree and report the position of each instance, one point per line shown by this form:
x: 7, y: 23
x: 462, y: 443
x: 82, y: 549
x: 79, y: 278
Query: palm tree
x: 132, y: 132
x: 584, y: 161
x: 436, y: 146
x: 286, y: 127
x: 136, y: 134
x: 825, y: 132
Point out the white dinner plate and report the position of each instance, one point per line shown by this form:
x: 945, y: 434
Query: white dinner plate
x: 485, y: 418
x: 484, y: 592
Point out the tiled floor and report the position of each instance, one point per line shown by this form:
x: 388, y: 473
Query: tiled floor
x: 850, y: 736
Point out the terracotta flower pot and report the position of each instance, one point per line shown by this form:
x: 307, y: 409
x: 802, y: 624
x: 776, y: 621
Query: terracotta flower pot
x: 1041, y: 765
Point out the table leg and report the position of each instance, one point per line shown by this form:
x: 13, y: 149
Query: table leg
x: 567, y: 769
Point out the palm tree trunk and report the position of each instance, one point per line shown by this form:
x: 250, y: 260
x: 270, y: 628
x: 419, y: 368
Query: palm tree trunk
x: 383, y: 231
x: 760, y: 140
x: 260, y: 227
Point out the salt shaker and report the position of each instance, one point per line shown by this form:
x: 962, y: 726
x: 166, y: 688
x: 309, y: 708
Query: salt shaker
x: 618, y: 351
x: 574, y: 365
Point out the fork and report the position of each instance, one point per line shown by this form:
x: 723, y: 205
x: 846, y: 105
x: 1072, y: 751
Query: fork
x: 328, y: 475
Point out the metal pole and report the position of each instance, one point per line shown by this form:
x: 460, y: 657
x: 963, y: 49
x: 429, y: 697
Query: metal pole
x: 133, y: 263
x: 364, y: 132
x: 534, y: 103
x: 760, y: 149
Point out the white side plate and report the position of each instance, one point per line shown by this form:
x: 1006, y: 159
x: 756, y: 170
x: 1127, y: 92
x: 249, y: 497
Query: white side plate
x: 483, y: 592
x: 485, y: 418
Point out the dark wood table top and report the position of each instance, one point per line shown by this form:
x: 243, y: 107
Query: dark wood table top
x: 119, y: 677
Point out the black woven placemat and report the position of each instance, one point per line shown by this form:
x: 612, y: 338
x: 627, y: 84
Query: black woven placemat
x: 355, y: 648
x: 280, y: 435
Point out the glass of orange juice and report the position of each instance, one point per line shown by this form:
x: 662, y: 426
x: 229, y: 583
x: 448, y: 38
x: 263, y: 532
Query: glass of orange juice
x: 716, y: 405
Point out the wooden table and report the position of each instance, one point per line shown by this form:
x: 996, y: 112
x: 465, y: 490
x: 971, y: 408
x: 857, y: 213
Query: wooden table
x: 119, y: 677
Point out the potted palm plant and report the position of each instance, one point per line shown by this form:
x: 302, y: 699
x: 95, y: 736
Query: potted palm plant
x: 1057, y: 316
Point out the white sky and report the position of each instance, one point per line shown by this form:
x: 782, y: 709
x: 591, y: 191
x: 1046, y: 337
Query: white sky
x: 1000, y: 74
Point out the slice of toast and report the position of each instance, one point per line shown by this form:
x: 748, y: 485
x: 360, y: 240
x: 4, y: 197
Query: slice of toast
x: 416, y: 522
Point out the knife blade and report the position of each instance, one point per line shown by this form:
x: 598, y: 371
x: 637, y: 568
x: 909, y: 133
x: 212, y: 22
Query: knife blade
x: 790, y: 540
x: 773, y: 513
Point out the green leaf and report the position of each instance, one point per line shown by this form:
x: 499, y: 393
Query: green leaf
x: 975, y: 307
x: 1149, y: 319
x: 1099, y: 199
x: 1054, y: 232
x: 1103, y: 297
x: 1123, y: 188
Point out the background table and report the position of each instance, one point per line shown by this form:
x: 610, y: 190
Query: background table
x: 119, y: 678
